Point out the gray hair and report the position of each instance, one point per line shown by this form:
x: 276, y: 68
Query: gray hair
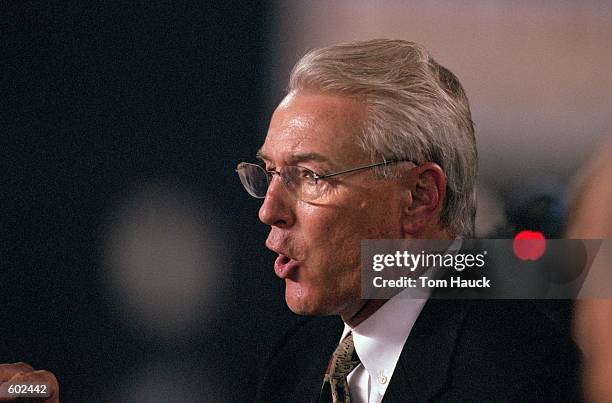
x: 416, y: 110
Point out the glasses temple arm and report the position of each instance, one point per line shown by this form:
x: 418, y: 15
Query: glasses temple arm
x: 363, y: 167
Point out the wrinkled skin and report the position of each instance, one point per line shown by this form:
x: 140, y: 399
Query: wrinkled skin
x: 323, y: 237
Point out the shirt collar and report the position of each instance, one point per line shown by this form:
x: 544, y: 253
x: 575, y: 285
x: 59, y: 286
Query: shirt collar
x: 379, y: 339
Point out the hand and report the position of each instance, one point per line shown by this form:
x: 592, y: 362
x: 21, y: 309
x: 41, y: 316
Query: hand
x: 19, y: 374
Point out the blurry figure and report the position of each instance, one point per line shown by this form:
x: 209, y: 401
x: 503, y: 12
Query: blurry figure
x: 163, y: 259
x: 591, y: 218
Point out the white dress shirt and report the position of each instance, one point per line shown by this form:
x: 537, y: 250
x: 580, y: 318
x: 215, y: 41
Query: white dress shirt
x: 379, y: 341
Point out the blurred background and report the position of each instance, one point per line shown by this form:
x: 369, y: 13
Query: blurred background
x: 132, y: 261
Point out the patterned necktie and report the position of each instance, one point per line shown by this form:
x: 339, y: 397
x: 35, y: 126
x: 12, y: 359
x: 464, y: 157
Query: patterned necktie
x: 343, y: 361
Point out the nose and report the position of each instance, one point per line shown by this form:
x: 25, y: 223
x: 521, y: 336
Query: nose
x: 277, y: 209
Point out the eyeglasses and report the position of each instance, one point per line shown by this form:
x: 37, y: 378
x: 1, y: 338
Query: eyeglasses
x: 303, y: 183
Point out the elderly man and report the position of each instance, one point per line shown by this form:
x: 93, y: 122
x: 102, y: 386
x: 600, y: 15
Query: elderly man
x: 375, y: 140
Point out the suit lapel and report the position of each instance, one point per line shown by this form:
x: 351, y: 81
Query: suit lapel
x: 326, y: 331
x: 309, y: 387
x: 423, y: 366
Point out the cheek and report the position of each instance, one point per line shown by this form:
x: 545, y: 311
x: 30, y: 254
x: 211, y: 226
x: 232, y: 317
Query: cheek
x: 330, y: 241
x: 336, y: 241
x: 374, y: 220
x: 333, y: 232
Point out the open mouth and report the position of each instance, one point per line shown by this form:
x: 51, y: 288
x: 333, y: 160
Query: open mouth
x: 284, y: 266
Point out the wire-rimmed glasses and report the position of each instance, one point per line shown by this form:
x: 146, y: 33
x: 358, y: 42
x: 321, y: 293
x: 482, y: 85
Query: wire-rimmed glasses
x: 302, y: 182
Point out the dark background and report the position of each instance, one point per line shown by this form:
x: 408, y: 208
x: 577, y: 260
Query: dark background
x: 103, y: 102
x: 96, y: 99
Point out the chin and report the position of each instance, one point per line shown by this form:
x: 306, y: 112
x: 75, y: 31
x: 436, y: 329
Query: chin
x: 301, y: 306
x: 299, y: 310
x: 308, y: 311
x: 311, y: 306
x: 304, y: 303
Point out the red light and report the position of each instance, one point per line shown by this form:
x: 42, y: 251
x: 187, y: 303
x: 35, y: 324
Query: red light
x: 529, y: 245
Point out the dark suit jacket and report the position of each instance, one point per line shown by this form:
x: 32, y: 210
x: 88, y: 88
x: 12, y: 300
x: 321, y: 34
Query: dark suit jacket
x: 458, y: 350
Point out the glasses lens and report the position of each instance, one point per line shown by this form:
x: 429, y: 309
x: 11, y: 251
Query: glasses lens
x: 254, y: 179
x: 301, y: 182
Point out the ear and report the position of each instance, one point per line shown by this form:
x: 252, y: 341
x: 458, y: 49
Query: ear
x: 422, y: 208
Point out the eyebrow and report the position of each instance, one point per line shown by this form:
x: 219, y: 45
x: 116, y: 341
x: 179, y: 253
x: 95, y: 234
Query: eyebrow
x: 297, y: 158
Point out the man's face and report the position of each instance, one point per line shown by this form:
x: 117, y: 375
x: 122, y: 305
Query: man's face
x: 318, y: 242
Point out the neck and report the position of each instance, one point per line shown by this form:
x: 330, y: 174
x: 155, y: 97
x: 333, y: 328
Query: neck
x: 355, y: 316
x: 363, y: 312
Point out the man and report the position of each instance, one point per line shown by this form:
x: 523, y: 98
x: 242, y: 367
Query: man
x: 375, y: 140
